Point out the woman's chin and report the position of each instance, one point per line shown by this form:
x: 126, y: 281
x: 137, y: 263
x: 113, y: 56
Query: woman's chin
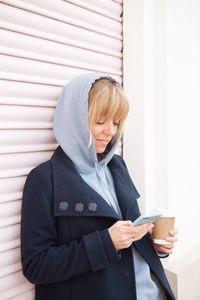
x: 100, y: 150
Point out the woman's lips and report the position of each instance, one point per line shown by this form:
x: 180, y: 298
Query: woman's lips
x: 104, y: 142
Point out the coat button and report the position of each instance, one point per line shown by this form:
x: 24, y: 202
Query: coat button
x: 92, y: 206
x: 63, y: 206
x: 79, y: 207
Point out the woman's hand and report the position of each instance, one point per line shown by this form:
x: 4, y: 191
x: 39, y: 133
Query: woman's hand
x: 168, y: 248
x: 123, y: 234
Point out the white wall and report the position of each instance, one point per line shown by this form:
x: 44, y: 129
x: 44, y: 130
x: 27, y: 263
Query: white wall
x: 161, y: 75
x: 183, y: 87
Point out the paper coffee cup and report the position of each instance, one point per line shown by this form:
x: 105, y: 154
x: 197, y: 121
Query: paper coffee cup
x: 163, y: 226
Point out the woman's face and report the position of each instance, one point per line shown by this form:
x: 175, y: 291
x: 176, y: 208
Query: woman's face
x: 103, y: 132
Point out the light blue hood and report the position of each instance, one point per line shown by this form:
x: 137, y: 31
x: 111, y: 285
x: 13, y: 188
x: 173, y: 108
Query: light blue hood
x: 72, y: 133
x: 71, y: 122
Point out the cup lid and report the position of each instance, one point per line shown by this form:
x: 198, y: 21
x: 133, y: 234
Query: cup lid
x: 165, y: 213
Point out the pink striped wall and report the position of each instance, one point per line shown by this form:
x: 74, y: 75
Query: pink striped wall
x: 43, y: 45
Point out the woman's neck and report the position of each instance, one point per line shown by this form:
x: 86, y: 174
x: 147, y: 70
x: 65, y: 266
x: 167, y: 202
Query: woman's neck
x: 99, y: 157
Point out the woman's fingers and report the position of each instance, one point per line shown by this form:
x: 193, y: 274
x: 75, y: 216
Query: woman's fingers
x: 119, y: 233
x: 124, y: 223
x: 123, y: 235
x: 150, y: 229
x: 164, y: 248
x: 174, y: 231
x: 172, y: 239
x: 141, y: 230
x: 168, y: 248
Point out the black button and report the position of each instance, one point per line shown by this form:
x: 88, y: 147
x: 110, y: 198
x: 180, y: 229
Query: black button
x: 79, y: 207
x: 92, y: 206
x: 63, y: 205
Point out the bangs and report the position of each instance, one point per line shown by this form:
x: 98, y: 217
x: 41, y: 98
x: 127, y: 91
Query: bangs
x: 111, y: 105
x: 107, y: 101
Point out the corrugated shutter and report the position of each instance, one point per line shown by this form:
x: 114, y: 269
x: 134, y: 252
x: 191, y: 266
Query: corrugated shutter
x: 43, y: 45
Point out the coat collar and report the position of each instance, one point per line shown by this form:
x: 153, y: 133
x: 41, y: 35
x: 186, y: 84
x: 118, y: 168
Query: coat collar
x: 74, y: 197
x: 125, y: 189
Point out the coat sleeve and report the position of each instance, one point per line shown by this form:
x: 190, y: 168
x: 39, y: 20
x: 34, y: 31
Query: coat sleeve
x: 43, y: 260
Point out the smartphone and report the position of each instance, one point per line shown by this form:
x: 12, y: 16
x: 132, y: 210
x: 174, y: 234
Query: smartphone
x: 147, y: 218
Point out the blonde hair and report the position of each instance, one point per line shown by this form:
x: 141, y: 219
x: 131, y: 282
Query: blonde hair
x: 107, y: 100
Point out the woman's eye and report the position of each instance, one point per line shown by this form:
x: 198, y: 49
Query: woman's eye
x: 115, y: 123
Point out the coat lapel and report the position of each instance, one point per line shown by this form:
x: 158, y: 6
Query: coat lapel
x: 72, y: 195
x: 125, y: 189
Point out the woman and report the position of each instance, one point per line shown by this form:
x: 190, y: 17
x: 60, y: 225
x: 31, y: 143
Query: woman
x: 76, y: 238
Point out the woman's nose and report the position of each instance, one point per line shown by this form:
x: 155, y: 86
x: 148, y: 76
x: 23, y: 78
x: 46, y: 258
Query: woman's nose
x: 110, y: 129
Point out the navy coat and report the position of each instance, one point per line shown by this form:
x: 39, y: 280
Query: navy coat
x: 66, y: 249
